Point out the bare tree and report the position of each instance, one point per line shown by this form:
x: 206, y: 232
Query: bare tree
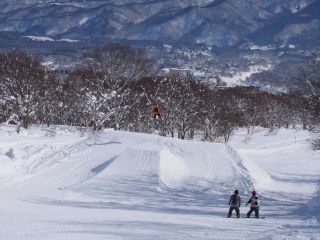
x: 103, y: 89
x: 26, y: 86
x: 119, y: 62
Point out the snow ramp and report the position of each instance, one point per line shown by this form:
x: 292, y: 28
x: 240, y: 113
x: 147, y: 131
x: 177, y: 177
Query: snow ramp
x: 153, y: 162
x: 172, y: 165
x: 159, y: 174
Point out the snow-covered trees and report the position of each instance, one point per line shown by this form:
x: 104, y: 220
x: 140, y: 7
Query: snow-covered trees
x: 119, y: 62
x: 116, y: 88
x: 101, y: 92
x: 314, y: 97
x: 179, y: 100
x: 26, y: 87
x: 93, y: 100
x: 314, y: 103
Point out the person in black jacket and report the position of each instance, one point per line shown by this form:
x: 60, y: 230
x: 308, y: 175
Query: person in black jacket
x: 234, y: 203
x: 254, y: 205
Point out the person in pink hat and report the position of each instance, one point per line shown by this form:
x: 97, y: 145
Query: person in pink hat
x: 254, y: 205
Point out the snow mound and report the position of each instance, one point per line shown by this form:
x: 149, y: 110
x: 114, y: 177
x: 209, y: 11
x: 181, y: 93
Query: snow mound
x: 170, y: 169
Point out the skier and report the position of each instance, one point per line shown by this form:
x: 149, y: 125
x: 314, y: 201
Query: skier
x: 156, y: 112
x: 234, y: 203
x: 254, y: 205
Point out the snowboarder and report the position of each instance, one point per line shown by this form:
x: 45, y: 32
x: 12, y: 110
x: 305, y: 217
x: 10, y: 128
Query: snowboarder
x: 156, y: 112
x: 254, y: 205
x: 234, y: 203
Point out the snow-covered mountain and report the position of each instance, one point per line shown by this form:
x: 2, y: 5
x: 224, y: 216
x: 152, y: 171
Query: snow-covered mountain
x: 212, y: 22
x: 67, y: 183
x: 230, y: 40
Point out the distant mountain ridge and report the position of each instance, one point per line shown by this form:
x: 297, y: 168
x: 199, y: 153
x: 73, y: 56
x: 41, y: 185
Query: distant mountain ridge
x: 211, y: 22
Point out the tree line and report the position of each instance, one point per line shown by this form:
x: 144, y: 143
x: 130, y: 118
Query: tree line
x: 117, y: 88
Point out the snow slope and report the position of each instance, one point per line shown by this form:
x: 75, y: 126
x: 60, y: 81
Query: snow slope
x: 68, y: 183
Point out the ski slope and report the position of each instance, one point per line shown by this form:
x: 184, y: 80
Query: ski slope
x: 65, y: 183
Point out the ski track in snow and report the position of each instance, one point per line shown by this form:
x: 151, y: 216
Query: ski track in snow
x: 62, y: 183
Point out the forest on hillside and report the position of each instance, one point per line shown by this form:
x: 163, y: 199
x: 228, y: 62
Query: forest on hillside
x: 116, y: 87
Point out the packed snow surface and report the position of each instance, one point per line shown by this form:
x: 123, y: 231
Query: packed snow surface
x: 69, y: 183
